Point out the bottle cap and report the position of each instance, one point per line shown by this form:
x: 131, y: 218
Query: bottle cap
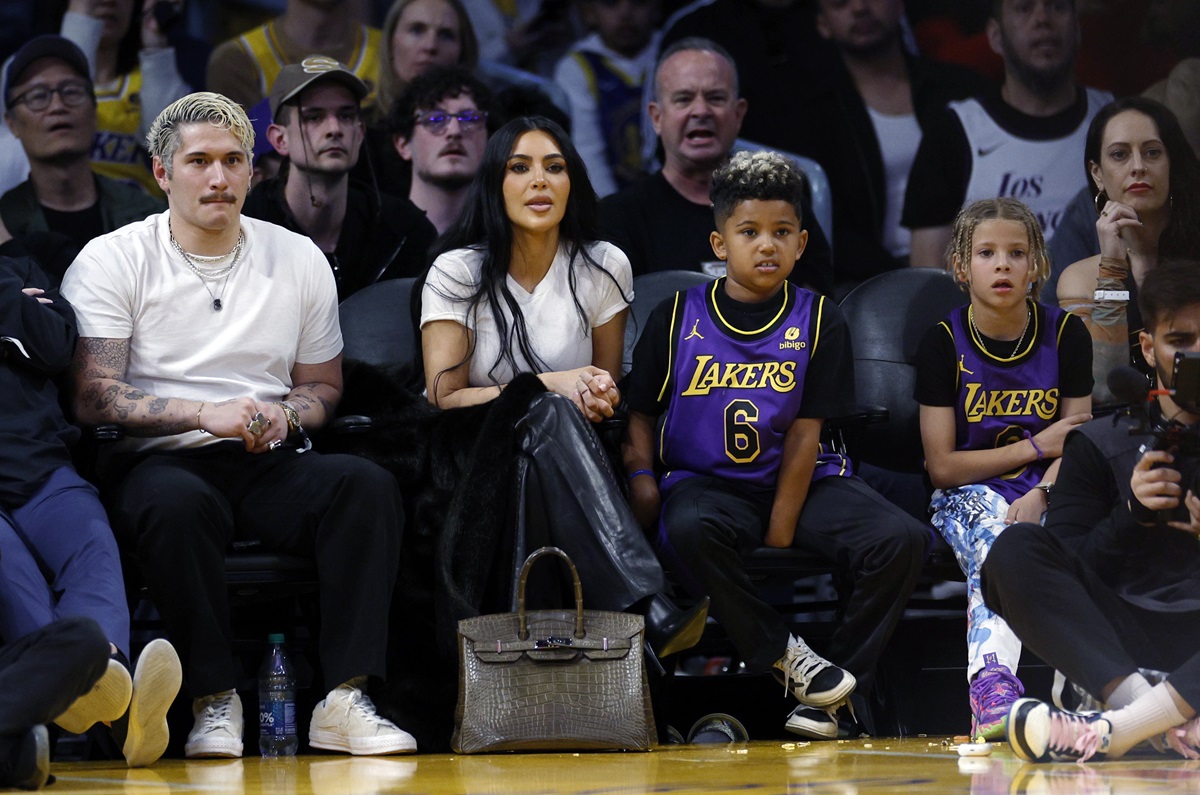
x: 275, y: 637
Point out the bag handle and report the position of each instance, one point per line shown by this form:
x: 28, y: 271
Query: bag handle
x: 523, y: 626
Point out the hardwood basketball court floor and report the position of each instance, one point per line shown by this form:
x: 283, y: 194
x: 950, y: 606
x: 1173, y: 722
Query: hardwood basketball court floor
x: 845, y: 767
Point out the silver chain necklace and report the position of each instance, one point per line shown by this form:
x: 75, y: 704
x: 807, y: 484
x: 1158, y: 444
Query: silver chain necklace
x: 979, y: 334
x: 207, y: 275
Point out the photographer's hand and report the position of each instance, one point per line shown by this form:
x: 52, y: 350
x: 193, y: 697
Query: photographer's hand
x: 1155, y: 484
x: 1193, y: 505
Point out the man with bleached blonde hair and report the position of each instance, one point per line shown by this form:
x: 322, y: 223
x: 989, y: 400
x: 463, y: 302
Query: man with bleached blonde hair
x: 213, y: 339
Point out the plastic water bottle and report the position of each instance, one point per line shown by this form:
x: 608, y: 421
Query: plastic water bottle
x: 277, y: 702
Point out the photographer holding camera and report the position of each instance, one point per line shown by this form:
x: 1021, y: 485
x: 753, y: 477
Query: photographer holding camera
x: 1108, y: 590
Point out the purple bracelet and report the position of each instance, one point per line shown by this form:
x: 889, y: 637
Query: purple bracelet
x: 1036, y: 449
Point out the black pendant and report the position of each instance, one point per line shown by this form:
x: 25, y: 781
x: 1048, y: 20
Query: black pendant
x: 217, y: 304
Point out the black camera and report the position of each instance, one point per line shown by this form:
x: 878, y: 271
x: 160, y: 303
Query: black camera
x: 1182, y: 441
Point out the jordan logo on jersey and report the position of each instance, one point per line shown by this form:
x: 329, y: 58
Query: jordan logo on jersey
x: 695, y: 332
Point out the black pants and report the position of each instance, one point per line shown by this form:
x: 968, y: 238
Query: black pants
x: 1062, y: 610
x: 571, y: 499
x: 180, y: 511
x: 711, y: 523
x: 42, y: 673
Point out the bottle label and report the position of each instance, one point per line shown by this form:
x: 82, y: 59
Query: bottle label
x: 277, y: 717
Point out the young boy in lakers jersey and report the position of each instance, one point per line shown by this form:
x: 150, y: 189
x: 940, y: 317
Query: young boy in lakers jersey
x: 743, y: 371
x: 1000, y: 382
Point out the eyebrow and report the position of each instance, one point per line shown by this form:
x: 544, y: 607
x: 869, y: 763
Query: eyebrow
x: 550, y: 156
x: 201, y: 153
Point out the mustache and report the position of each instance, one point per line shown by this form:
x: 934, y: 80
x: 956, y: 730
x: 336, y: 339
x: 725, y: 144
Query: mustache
x: 218, y: 197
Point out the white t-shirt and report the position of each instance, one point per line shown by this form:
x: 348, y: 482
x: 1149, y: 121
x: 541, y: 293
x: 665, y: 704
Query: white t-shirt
x: 898, y: 138
x: 556, y: 333
x: 279, y: 309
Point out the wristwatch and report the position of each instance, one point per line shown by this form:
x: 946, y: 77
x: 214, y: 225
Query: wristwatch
x: 293, y: 416
x: 1046, y: 486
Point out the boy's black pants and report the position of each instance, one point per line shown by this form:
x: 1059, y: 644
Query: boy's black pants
x: 710, y: 523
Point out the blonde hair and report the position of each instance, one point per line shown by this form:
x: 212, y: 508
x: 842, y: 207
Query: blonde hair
x: 163, y: 140
x: 389, y: 87
x: 958, y: 255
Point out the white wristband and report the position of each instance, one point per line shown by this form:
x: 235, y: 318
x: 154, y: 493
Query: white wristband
x: 1111, y: 295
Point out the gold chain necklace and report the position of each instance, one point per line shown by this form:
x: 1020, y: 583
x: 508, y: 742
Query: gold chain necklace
x: 979, y: 334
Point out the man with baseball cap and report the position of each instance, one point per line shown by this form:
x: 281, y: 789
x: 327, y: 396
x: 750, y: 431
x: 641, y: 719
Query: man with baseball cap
x: 50, y: 107
x: 317, y: 127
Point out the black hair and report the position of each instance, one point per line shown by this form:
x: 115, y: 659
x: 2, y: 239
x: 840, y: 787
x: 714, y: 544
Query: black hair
x: 1170, y: 287
x: 428, y: 89
x: 484, y: 225
x: 1181, y: 237
x: 756, y: 176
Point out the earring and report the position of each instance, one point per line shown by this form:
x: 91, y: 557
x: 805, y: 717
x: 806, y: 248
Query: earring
x: 1100, y: 200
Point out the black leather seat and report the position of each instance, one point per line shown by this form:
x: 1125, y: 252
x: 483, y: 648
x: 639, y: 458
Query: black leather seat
x: 649, y: 290
x: 377, y: 326
x: 888, y: 315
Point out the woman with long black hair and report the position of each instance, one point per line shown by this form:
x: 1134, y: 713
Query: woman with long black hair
x: 522, y: 286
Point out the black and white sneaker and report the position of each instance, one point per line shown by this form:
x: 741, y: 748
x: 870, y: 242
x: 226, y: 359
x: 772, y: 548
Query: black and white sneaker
x: 816, y: 724
x: 813, y: 680
x: 1039, y: 732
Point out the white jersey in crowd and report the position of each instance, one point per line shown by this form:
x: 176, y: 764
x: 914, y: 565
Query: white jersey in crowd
x: 1045, y: 174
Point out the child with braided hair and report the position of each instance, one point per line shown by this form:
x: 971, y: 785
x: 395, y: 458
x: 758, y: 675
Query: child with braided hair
x: 1000, y: 382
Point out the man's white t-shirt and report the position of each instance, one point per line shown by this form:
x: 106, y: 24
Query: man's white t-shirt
x: 556, y: 333
x: 279, y: 309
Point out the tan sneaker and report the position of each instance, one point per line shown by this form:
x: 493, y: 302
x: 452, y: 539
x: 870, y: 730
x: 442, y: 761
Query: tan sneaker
x: 346, y: 721
x: 105, y: 702
x: 218, y: 728
x: 156, y: 680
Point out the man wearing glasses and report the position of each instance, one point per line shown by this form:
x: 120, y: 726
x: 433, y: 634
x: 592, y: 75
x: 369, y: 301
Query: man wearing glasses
x: 51, y: 109
x: 440, y: 125
x: 317, y: 127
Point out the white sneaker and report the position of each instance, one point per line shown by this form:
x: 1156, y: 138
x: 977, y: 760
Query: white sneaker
x: 813, y: 680
x: 346, y: 721
x: 156, y: 680
x: 816, y: 724
x: 105, y: 702
x: 218, y: 729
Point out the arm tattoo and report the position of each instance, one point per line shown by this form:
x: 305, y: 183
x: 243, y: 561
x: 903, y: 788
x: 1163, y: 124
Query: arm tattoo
x: 111, y: 355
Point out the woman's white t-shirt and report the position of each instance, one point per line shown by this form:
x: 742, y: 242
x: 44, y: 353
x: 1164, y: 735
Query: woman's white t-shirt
x: 558, y: 336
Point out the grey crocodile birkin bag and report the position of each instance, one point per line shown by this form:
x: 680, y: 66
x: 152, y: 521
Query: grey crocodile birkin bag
x: 551, y: 680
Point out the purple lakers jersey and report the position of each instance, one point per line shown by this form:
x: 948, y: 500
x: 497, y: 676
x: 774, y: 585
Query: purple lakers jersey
x: 1002, y: 400
x: 735, y: 392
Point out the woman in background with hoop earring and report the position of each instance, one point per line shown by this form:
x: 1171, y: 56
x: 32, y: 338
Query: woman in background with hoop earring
x: 1147, y: 181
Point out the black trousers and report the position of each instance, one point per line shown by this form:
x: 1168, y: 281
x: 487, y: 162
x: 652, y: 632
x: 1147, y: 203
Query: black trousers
x: 42, y: 673
x: 180, y: 511
x: 1062, y: 610
x: 710, y: 523
x: 571, y: 499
